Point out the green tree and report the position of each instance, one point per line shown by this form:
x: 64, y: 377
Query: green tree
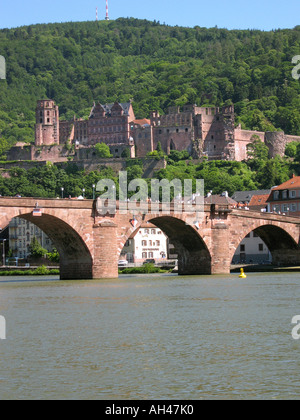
x: 257, y: 149
x: 291, y: 149
x: 36, y: 250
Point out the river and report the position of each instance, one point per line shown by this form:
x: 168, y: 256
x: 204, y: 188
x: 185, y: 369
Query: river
x: 150, y: 337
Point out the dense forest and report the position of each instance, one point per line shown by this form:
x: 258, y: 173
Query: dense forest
x: 153, y: 65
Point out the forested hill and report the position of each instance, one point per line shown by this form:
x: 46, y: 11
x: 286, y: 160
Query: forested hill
x: 154, y: 65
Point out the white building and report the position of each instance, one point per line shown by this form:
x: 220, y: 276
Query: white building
x: 21, y: 233
x: 252, y: 249
x: 148, y: 242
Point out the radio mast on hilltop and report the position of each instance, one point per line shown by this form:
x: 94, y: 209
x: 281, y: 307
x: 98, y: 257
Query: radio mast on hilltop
x: 106, y: 17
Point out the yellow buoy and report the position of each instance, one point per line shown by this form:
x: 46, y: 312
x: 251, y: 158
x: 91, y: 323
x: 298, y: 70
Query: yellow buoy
x: 242, y: 275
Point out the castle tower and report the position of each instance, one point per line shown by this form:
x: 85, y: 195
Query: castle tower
x: 106, y: 16
x: 47, y: 123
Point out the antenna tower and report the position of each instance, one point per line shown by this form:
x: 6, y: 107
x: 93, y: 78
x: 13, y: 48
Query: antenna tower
x: 106, y: 17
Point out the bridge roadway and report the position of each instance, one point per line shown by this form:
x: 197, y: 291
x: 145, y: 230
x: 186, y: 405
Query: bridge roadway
x: 90, y: 243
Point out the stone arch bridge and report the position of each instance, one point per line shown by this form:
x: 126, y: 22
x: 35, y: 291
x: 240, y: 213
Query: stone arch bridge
x: 90, y: 243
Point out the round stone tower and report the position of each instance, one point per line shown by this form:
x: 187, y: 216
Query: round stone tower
x: 276, y: 142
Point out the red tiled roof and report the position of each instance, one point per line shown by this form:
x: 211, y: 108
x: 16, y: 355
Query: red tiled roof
x: 291, y: 184
x: 258, y: 200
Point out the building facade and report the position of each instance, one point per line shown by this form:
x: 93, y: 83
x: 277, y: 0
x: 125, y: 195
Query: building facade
x: 252, y: 250
x: 148, y: 242
x: 21, y: 233
x: 285, y: 198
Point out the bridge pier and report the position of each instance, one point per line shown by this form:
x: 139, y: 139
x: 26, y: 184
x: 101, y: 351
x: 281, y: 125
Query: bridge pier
x: 286, y: 258
x: 221, y: 259
x: 106, y: 254
x: 74, y: 270
x: 193, y: 263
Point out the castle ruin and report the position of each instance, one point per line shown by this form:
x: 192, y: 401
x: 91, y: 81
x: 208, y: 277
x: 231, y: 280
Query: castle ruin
x: 202, y: 131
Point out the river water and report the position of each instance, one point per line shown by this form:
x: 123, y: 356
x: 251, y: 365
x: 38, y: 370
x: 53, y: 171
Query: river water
x: 150, y: 337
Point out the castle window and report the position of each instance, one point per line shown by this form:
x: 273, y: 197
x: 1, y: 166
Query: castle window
x: 212, y: 137
x: 48, y: 120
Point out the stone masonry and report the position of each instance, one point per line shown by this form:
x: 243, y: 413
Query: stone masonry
x: 90, y: 243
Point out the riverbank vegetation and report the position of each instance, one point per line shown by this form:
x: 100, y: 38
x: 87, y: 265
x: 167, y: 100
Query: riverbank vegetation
x: 40, y: 271
x: 144, y: 269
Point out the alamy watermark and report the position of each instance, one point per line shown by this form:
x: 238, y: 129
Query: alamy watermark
x: 155, y: 198
x: 296, y: 69
x: 2, y: 67
x: 296, y: 329
x: 2, y: 328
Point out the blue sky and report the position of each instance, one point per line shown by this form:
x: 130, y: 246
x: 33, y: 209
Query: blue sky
x: 233, y: 14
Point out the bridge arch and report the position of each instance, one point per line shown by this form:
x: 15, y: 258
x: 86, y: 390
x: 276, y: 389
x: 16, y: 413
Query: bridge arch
x: 194, y: 256
x: 76, y: 260
x: 282, y: 244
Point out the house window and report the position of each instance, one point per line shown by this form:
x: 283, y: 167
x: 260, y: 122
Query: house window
x: 276, y: 208
x: 152, y: 231
x: 284, y: 194
x: 260, y: 247
x: 144, y: 255
x: 144, y: 243
x: 292, y: 194
x: 276, y: 195
x: 293, y: 207
x: 150, y: 255
x: 242, y: 248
